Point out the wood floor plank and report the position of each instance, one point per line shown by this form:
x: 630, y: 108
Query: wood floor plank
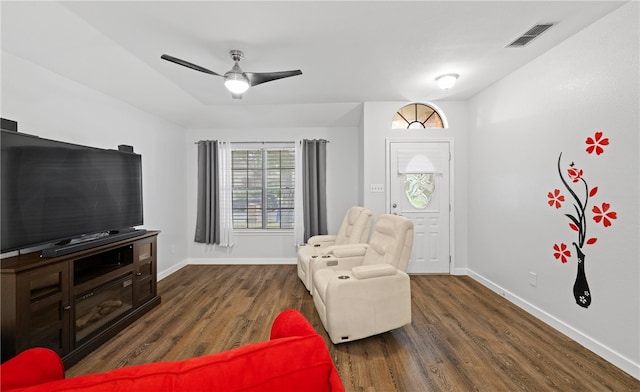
x: 463, y: 336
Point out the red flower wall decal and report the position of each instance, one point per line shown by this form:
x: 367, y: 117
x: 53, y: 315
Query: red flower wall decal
x: 561, y: 252
x: 580, y: 192
x: 574, y: 173
x: 596, y: 142
x: 603, y: 214
x: 555, y: 198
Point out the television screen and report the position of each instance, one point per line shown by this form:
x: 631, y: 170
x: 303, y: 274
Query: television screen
x: 53, y: 191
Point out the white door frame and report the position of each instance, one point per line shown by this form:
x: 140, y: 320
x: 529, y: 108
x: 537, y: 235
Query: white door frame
x: 387, y: 201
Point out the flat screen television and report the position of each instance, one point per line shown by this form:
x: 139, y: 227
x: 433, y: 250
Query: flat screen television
x: 56, y: 192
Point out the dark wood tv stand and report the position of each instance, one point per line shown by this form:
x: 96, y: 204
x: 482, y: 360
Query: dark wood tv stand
x: 76, y: 302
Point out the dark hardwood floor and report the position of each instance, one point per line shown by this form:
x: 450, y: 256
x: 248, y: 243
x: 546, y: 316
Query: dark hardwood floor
x: 463, y: 336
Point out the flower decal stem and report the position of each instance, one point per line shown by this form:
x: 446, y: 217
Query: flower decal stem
x: 579, y: 221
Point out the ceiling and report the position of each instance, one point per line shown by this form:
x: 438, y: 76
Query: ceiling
x: 349, y: 52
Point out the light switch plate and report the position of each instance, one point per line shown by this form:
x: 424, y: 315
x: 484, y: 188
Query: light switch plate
x: 376, y: 188
x: 533, y: 279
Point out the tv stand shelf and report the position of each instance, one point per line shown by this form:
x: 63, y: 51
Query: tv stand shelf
x: 76, y: 302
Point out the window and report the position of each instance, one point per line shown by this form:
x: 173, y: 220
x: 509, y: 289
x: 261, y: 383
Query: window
x: 416, y: 116
x: 419, y: 188
x: 263, y: 188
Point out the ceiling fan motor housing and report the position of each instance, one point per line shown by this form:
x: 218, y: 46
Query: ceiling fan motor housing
x: 236, y: 55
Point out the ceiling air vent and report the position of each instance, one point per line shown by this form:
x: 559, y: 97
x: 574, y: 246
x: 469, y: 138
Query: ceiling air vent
x: 530, y: 35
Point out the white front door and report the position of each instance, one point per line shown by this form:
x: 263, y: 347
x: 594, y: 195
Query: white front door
x: 419, y: 189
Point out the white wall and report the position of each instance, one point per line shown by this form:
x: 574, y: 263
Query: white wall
x: 506, y: 143
x: 260, y: 247
x: 48, y: 105
x: 519, y: 127
x: 377, y: 129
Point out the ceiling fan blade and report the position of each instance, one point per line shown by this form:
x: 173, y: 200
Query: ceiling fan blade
x: 256, y: 78
x: 188, y: 64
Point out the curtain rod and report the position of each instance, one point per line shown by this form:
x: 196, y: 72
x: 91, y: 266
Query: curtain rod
x: 269, y: 142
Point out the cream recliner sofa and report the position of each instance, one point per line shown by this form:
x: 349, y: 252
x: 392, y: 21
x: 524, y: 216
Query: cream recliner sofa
x: 363, y: 290
x: 354, y: 229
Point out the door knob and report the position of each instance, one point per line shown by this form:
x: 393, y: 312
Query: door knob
x: 394, y: 205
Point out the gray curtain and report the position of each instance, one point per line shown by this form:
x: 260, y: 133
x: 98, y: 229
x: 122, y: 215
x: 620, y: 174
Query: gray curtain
x: 208, y: 213
x: 314, y: 180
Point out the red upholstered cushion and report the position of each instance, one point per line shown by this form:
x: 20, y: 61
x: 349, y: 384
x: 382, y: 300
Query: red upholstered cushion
x: 296, y: 360
x: 31, y: 367
x: 291, y: 322
x: 288, y: 364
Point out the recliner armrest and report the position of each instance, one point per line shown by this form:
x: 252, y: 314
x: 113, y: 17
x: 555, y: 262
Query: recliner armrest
x: 373, y: 270
x: 333, y: 262
x: 323, y: 239
x: 346, y: 250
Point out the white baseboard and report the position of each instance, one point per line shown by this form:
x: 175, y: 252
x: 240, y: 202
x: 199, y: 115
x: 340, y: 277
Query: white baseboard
x: 460, y: 271
x: 247, y: 261
x: 219, y: 261
x: 164, y: 273
x: 605, y: 352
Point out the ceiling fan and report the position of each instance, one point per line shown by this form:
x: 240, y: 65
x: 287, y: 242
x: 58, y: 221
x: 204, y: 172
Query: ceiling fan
x: 236, y: 80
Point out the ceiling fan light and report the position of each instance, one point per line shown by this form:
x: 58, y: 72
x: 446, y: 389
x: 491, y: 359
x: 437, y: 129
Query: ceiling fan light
x: 236, y: 83
x: 447, y: 81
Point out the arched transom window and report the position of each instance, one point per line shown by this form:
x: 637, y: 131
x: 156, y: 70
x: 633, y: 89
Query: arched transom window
x: 416, y: 116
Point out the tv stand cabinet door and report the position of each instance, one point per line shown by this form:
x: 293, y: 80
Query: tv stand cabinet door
x: 44, y: 292
x: 145, y: 282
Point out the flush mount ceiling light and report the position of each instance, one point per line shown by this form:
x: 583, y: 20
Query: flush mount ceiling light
x: 447, y: 81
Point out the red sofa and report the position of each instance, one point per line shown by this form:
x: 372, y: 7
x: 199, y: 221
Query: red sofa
x: 294, y: 359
